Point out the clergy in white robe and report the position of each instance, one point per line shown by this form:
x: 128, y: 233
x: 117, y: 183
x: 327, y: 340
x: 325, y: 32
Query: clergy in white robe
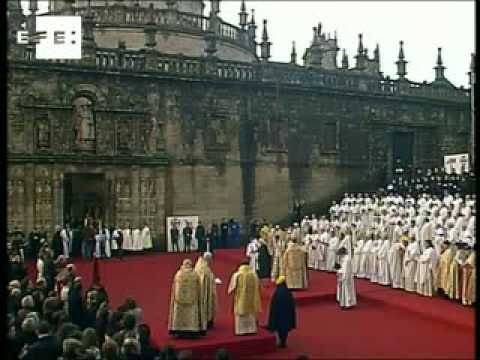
x: 425, y: 270
x: 310, y: 249
x: 397, y: 252
x: 137, y: 240
x: 383, y: 271
x: 127, y: 243
x: 67, y: 235
x: 147, y: 238
x: 364, y: 265
x: 346, y: 292
x: 410, y: 265
x: 108, y: 241
x: 357, y: 252
x: 373, y: 261
x: 332, y: 252
x: 252, y: 253
x: 322, y: 249
x: 318, y: 253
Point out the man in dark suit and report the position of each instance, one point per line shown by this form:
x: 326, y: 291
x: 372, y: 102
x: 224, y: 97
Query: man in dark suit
x: 223, y: 233
x: 174, y: 236
x: 187, y: 237
x: 200, y: 235
x: 46, y: 347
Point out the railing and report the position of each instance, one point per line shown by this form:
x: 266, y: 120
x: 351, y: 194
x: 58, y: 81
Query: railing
x: 120, y: 60
x: 140, y: 16
x: 275, y: 73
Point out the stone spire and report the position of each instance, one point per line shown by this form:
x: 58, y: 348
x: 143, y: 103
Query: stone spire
x: 360, y: 44
x: 361, y: 57
x: 293, y: 54
x: 265, y: 44
x: 471, y: 73
x: 401, y: 63
x: 344, y: 60
x: 33, y: 6
x: 215, y: 7
x: 439, y: 69
x: 376, y: 54
x: 252, y: 30
x: 243, y: 15
x: 88, y: 40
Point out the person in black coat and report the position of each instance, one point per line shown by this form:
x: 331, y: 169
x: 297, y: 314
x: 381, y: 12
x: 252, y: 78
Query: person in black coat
x: 187, y: 237
x: 223, y: 234
x: 148, y: 351
x: 46, y: 347
x: 264, y: 261
x: 34, y: 243
x: 282, y: 317
x: 75, y: 303
x: 49, y: 271
x: 57, y: 243
x: 17, y: 270
x: 200, y: 235
x: 214, y: 236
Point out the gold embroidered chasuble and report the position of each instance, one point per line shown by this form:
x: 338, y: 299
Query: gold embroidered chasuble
x: 295, y: 263
x: 208, y: 291
x: 245, y: 287
x: 185, y: 301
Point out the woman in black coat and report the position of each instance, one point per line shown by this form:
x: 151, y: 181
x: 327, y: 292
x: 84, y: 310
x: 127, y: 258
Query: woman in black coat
x: 282, y: 316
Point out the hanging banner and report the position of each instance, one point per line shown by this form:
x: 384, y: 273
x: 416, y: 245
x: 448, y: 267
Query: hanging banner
x: 456, y: 164
x: 180, y: 222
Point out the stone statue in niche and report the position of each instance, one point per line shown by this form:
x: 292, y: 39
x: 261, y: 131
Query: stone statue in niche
x: 43, y: 134
x: 84, y: 123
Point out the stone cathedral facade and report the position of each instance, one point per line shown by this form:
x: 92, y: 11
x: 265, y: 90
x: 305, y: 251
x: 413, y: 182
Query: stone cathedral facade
x: 172, y: 112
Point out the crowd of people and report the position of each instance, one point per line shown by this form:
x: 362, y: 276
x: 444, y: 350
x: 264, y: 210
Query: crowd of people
x: 421, y: 242
x: 54, y: 317
x: 89, y: 239
x: 434, y: 181
x: 222, y: 235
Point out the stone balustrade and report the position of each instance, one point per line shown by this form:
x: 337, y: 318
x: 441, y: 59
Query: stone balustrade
x: 119, y: 15
x: 284, y: 74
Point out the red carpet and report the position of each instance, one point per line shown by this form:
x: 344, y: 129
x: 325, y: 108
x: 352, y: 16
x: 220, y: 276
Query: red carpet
x: 387, y: 323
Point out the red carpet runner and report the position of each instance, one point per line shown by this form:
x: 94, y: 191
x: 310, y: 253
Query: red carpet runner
x: 387, y: 323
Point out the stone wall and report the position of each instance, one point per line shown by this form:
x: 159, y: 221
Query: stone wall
x: 220, y: 149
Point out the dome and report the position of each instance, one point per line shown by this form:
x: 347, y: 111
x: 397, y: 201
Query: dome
x: 181, y: 27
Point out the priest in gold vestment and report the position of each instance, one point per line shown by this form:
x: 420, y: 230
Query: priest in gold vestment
x: 455, y: 275
x: 208, y: 290
x: 295, y: 263
x: 245, y: 287
x: 469, y: 279
x: 443, y: 268
x: 185, y: 317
